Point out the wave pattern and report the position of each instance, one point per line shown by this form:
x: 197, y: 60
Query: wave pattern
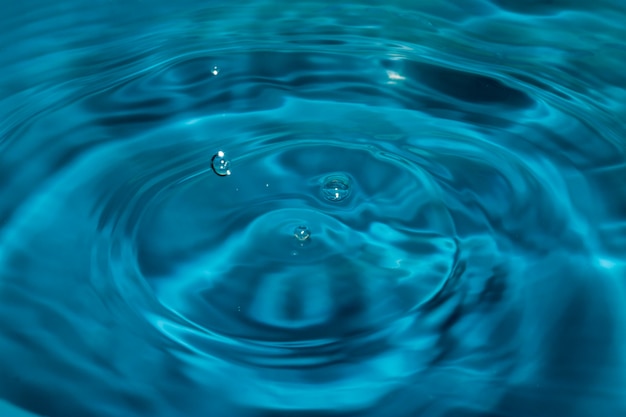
x: 424, y: 215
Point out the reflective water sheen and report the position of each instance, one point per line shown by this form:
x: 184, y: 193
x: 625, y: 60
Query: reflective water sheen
x: 268, y: 208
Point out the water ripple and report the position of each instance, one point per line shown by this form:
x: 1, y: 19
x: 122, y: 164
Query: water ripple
x: 424, y: 213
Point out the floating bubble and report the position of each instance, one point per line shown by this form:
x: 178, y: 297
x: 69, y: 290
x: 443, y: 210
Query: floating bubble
x: 336, y: 187
x: 215, y: 70
x: 220, y: 165
x: 302, y: 233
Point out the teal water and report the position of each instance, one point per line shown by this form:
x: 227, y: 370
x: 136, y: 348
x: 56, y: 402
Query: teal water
x: 272, y: 209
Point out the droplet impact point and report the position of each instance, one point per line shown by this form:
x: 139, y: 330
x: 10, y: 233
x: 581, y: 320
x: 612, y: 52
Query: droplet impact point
x: 336, y: 187
x: 220, y: 165
x: 302, y: 233
x: 215, y: 70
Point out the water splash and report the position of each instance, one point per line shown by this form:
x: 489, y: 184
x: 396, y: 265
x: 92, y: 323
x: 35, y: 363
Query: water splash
x: 336, y: 188
x: 220, y: 165
x: 302, y: 233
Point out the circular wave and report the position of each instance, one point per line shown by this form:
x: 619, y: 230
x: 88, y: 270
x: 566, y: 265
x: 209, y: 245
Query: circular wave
x: 336, y: 226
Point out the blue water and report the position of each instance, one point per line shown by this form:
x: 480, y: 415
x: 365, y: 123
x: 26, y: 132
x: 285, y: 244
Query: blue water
x: 272, y: 209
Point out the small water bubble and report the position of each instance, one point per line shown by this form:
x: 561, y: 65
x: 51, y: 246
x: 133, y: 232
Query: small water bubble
x: 336, y: 187
x: 302, y: 233
x: 220, y: 165
x: 215, y: 70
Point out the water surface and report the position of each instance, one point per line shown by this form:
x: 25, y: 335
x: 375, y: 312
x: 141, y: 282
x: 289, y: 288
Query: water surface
x: 277, y: 209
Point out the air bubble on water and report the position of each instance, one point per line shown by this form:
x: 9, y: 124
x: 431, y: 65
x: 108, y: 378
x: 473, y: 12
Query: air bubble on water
x: 215, y: 70
x: 302, y: 233
x: 336, y: 187
x: 220, y: 165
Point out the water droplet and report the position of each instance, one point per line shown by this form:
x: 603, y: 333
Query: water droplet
x: 336, y: 187
x: 220, y: 165
x: 302, y: 233
x: 215, y: 70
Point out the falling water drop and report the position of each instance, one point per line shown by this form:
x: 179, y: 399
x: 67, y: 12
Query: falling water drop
x: 336, y: 187
x: 302, y: 233
x: 220, y: 165
x: 215, y: 70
